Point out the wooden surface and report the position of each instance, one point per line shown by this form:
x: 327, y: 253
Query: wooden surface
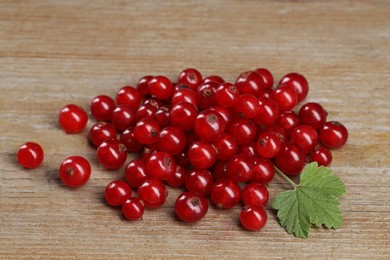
x: 57, y: 52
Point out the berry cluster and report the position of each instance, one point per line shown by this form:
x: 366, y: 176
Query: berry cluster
x: 216, y: 139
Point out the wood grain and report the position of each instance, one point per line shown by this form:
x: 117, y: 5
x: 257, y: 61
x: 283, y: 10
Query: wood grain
x: 58, y: 52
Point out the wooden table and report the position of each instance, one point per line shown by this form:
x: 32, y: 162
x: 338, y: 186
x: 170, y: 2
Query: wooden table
x: 57, y: 52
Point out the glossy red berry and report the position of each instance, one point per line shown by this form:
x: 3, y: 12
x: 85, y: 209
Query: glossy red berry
x: 190, y: 77
x: 153, y: 193
x: 226, y: 94
x: 226, y: 146
x: 268, y: 112
x: 183, y: 115
x: 136, y: 173
x: 199, y: 181
x: 321, y: 155
x: 191, y: 207
x: 177, y: 179
x: 291, y: 159
x: 117, y: 192
x: 297, y: 82
x: 278, y: 131
x: 129, y: 140
x: 123, y: 117
x: 333, y: 134
x: 268, y: 145
x: 253, y: 218
x: 247, y: 105
x: 146, y: 131
x: 162, y: 116
x: 243, y: 130
x: 30, y: 155
x: 72, y: 118
x: 240, y: 168
x: 148, y: 110
x: 312, y: 114
x: 268, y: 79
x: 185, y: 95
x: 161, y: 165
x: 264, y: 171
x: 142, y: 85
x: 171, y: 140
x: 225, y: 193
x: 250, y: 82
x: 288, y: 120
x: 133, y: 209
x: 75, y: 171
x: 206, y: 95
x: 304, y: 136
x: 102, y: 131
x: 102, y: 107
x: 202, y: 154
x: 161, y: 87
x: 128, y: 96
x: 248, y: 149
x: 255, y: 194
x: 112, y: 154
x: 285, y: 97
x: 209, y: 124
x: 225, y: 112
x: 213, y: 78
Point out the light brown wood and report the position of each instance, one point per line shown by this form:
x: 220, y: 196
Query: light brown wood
x: 58, y: 52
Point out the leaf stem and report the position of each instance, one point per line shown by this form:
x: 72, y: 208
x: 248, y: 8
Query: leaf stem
x: 286, y: 178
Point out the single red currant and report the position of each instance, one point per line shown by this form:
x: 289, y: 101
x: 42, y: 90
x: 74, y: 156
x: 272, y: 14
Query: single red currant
x: 240, y: 168
x: 178, y: 178
x: 291, y: 159
x: 162, y: 116
x: 117, y: 192
x: 148, y: 110
x: 72, y: 118
x: 225, y: 193
x: 136, y: 173
x: 112, y: 154
x: 123, y: 117
x: 224, y: 112
x: 102, y: 107
x: 264, y: 171
x: 253, y: 218
x: 202, y: 154
x: 304, y: 136
x: 161, y: 87
x: 146, y: 131
x: 226, y: 146
x: 129, y: 96
x: 255, y: 194
x: 209, y: 124
x: 247, y: 105
x: 191, y: 207
x: 248, y: 149
x: 226, y: 94
x: 288, y: 120
x: 75, y: 171
x: 102, y: 131
x: 183, y: 115
x: 213, y: 78
x: 285, y: 97
x: 268, y: 145
x: 250, y: 82
x: 312, y: 114
x: 190, y: 77
x: 142, y: 85
x: 133, y: 209
x: 129, y: 140
x: 268, y: 79
x: 171, y: 140
x: 277, y: 130
x: 268, y: 112
x: 297, y: 82
x: 30, y: 155
x: 206, y: 95
x: 161, y: 166
x: 185, y: 95
x: 243, y: 130
x: 153, y: 193
x: 333, y: 134
x: 321, y: 155
x: 199, y: 181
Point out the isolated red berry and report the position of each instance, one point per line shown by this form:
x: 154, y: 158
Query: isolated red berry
x: 112, y: 154
x: 75, y: 171
x: 117, y: 192
x: 285, y: 97
x: 191, y: 207
x: 133, y: 209
x: 183, y: 115
x: 73, y: 118
x: 333, y: 134
x: 153, y: 193
x: 30, y: 155
x: 255, y: 194
x: 321, y: 155
x: 253, y: 218
x: 312, y: 114
x: 264, y: 171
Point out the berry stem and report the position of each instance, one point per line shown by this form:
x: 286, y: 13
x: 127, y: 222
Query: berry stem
x: 286, y: 178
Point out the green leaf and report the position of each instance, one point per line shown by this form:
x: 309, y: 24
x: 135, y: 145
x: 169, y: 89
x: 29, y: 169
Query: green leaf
x: 315, y: 201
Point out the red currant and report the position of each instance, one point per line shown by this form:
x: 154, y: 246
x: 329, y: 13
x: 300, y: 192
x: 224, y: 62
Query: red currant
x: 142, y: 85
x: 333, y: 134
x: 206, y: 95
x: 226, y: 94
x: 190, y: 77
x: 247, y: 105
x: 268, y: 112
x: 243, y: 130
x: 268, y: 145
x: 288, y: 120
x: 177, y: 179
x: 255, y: 194
x: 191, y: 207
x: 133, y: 209
x: 220, y: 170
x: 162, y: 116
x: 304, y: 136
x: 148, y: 110
x: 102, y: 107
x: 264, y: 171
x: 136, y: 173
x: 72, y: 118
x: 199, y: 181
x: 102, y: 131
x: 161, y: 87
x: 161, y: 165
x: 209, y: 124
x: 129, y: 96
x: 248, y: 149
x: 250, y: 82
x: 75, y: 171
x: 285, y: 97
x: 225, y: 193
x: 297, y: 82
x: 268, y: 79
x: 240, y: 168
x: 129, y: 140
x: 171, y: 140
x: 117, y: 192
x: 123, y: 117
x: 112, y: 154
x: 291, y: 159
x: 183, y: 115
x: 153, y: 193
x: 253, y: 218
x: 226, y: 146
x: 30, y: 155
x: 202, y: 154
x: 312, y: 114
x: 185, y: 95
x: 321, y: 155
x: 146, y: 131
x: 213, y: 78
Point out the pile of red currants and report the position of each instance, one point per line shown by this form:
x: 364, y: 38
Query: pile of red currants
x: 214, y: 138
